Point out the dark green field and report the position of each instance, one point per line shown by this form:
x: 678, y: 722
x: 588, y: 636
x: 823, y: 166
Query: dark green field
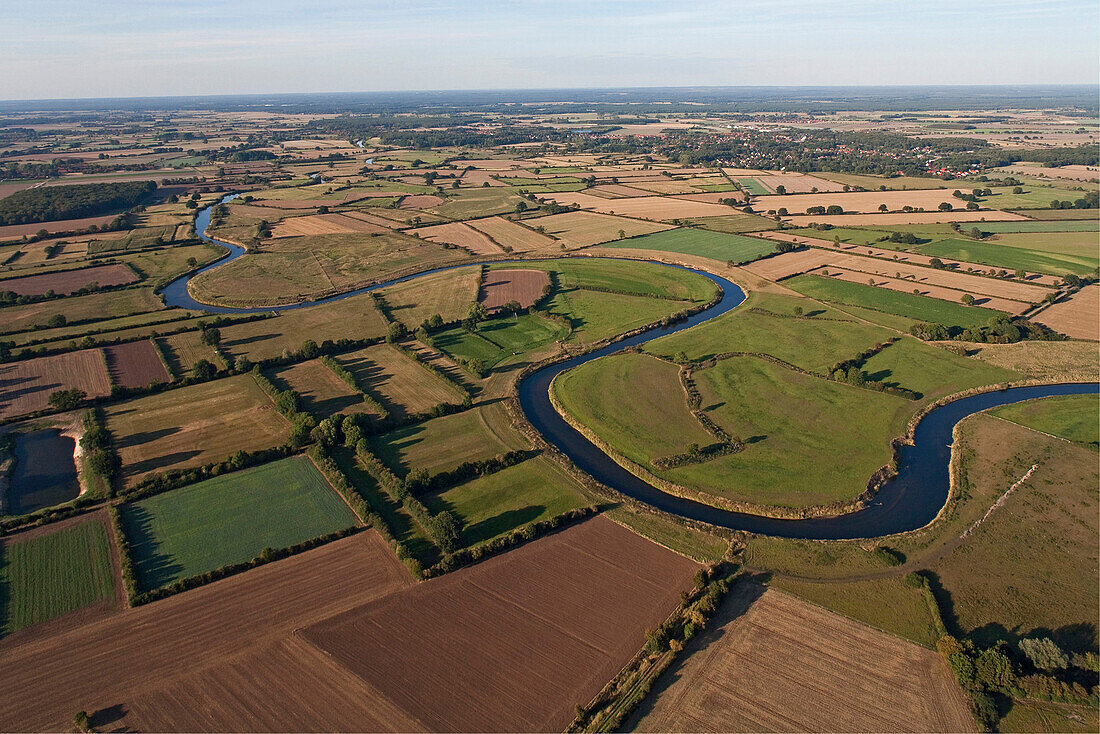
x: 230, y: 519
x: 49, y: 575
x: 1010, y: 257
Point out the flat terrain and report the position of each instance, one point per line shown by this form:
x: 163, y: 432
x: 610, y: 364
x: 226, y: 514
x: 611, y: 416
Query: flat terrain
x: 237, y: 636
x: 464, y: 652
x: 135, y: 364
x: 403, y: 385
x: 69, y: 281
x: 1077, y: 316
x: 490, y: 506
x: 230, y: 519
x: 79, y: 308
x: 582, y: 229
x: 193, y: 426
x: 775, y: 663
x: 524, y: 287
x: 1072, y: 417
x: 26, y: 386
x: 321, y: 393
x: 715, y: 245
x: 510, y: 235
x: 48, y: 574
x: 449, y: 294
x: 461, y: 235
x: 184, y: 350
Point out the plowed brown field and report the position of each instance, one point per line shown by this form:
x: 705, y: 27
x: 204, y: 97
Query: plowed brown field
x: 25, y: 386
x: 135, y: 364
x: 776, y: 663
x: 513, y: 643
x: 69, y: 281
x: 221, y: 657
x: 523, y: 286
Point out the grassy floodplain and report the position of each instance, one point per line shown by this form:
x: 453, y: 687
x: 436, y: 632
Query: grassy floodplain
x: 230, y: 519
x: 50, y: 575
x: 1072, y: 417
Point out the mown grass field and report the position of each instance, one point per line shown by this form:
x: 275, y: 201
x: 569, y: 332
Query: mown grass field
x: 497, y: 340
x: 891, y: 183
x: 909, y: 305
x: 735, y: 223
x: 1082, y: 225
x: 931, y: 371
x: 626, y: 276
x: 230, y: 519
x: 50, y: 575
x: 595, y: 315
x: 443, y: 443
x: 813, y: 343
x: 493, y: 505
x: 865, y: 236
x: 704, y: 243
x: 1072, y: 417
x: 653, y: 422
x: 1009, y: 257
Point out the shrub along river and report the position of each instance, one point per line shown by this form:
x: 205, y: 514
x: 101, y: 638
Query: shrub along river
x: 907, y: 502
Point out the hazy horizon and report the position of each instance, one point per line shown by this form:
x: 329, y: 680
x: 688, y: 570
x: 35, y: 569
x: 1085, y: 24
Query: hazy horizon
x: 64, y: 49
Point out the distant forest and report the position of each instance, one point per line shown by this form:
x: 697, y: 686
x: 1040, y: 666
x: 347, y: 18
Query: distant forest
x: 49, y: 203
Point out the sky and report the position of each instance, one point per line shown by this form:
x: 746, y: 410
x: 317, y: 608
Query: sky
x: 53, y: 49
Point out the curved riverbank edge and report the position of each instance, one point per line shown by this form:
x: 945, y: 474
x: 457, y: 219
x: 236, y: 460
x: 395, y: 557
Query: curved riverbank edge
x: 892, y: 504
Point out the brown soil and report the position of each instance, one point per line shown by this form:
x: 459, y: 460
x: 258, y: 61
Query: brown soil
x: 514, y: 643
x: 135, y: 364
x: 69, y: 281
x: 776, y: 663
x: 230, y: 645
x: 523, y: 286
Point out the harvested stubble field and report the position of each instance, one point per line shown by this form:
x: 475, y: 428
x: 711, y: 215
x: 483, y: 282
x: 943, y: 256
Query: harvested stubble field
x: 1077, y: 316
x: 461, y: 235
x: 183, y: 350
x: 449, y: 294
x: 926, y: 217
x: 243, y: 659
x: 230, y: 519
x: 135, y: 364
x: 509, y: 234
x: 643, y: 207
x: 69, y: 281
x: 421, y: 201
x: 193, y: 426
x: 524, y: 287
x: 559, y: 616
x: 25, y: 386
x: 797, y: 183
x: 322, y: 224
x: 863, y: 202
x: 351, y: 318
x: 14, y: 231
x: 582, y: 229
x: 790, y: 263
x: 774, y: 663
x: 46, y: 573
x: 404, y: 386
x: 320, y: 391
